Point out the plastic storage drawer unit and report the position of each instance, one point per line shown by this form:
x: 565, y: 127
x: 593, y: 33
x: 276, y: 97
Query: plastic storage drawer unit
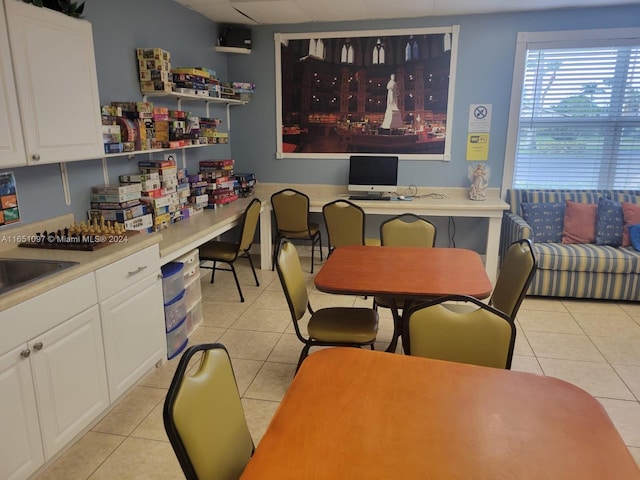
x: 175, y: 311
x: 172, y: 281
x: 177, y: 339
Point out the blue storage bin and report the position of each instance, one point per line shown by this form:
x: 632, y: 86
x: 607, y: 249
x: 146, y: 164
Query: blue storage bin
x: 172, y: 281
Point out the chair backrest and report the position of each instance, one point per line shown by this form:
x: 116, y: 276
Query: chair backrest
x: 249, y: 224
x: 407, y: 230
x: 345, y: 223
x: 516, y: 274
x: 291, y: 210
x: 292, y: 280
x: 204, y: 418
x: 483, y: 336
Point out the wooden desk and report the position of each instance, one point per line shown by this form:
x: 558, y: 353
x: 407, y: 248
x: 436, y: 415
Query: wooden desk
x: 440, y: 421
x: 403, y: 271
x: 455, y: 204
x: 184, y: 236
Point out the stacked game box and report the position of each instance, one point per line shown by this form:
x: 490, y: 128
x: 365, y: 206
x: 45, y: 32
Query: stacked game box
x: 154, y: 67
x: 222, y: 185
x: 191, y: 81
x: 242, y: 91
x: 246, y: 184
x: 176, y: 128
x: 162, y: 202
x: 198, y: 193
x: 127, y: 126
x: 119, y: 203
x: 209, y: 131
x: 183, y: 191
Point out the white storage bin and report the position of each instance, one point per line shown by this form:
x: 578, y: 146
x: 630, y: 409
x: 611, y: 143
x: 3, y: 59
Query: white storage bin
x: 175, y: 311
x: 172, y: 281
x: 189, y: 259
x: 192, y: 293
x: 177, y: 339
x: 194, y: 318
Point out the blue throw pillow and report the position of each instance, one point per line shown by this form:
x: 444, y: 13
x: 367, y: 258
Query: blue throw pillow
x: 609, y: 223
x: 634, y: 234
x: 545, y: 219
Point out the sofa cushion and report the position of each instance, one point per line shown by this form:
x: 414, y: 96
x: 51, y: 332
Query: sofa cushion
x: 631, y: 214
x: 609, y: 223
x: 634, y: 235
x: 586, y: 258
x: 579, y: 222
x: 546, y: 219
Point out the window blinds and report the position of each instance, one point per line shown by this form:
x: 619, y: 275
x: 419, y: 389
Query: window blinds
x: 579, y: 123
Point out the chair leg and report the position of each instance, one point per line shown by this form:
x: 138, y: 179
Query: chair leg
x: 320, y: 243
x: 213, y: 271
x: 303, y: 355
x: 276, y: 249
x: 252, y: 268
x: 235, y: 276
x: 313, y: 246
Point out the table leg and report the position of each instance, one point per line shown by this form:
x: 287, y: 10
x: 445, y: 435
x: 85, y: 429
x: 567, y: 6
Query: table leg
x: 265, y: 239
x: 397, y: 324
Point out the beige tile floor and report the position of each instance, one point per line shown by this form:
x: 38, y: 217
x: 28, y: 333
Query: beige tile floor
x: 595, y: 345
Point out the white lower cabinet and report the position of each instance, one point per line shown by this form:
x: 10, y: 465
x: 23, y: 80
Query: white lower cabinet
x: 131, y: 308
x: 20, y: 444
x: 70, y: 378
x: 53, y: 382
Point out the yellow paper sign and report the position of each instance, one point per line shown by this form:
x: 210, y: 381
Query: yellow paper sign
x: 477, y: 146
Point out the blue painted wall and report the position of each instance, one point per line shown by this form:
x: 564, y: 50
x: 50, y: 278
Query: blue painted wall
x: 484, y: 73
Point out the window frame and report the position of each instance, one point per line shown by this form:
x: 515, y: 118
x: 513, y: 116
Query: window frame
x: 547, y: 40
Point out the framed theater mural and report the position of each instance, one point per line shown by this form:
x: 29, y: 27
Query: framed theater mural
x: 382, y: 92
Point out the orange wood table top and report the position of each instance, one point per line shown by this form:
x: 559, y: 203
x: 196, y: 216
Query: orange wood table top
x: 398, y: 271
x: 440, y: 421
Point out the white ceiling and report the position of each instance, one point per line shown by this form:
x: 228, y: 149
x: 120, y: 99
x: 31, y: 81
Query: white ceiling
x: 262, y: 12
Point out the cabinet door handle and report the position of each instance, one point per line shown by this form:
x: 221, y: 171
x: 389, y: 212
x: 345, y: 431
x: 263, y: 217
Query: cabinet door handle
x: 37, y: 346
x: 137, y: 270
x: 35, y: 156
x: 25, y: 353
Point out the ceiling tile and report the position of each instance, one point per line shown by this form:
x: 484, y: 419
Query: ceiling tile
x: 273, y: 11
x: 335, y: 10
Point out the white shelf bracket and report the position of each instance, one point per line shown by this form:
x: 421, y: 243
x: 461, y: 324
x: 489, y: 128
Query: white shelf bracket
x: 105, y: 171
x: 65, y: 183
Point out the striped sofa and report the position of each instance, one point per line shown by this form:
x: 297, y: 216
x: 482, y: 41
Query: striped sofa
x: 575, y: 270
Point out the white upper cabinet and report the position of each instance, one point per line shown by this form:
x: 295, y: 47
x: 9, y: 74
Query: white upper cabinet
x: 11, y: 143
x: 55, y: 75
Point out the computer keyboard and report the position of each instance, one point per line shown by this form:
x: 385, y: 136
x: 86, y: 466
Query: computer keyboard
x: 368, y: 197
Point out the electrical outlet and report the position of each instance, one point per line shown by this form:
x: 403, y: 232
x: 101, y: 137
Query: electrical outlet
x: 170, y: 156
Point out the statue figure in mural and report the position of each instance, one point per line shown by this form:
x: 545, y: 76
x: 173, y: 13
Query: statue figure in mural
x: 392, y: 93
x: 479, y: 177
x: 392, y: 116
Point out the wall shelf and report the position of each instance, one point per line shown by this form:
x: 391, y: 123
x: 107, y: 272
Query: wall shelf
x: 244, y: 51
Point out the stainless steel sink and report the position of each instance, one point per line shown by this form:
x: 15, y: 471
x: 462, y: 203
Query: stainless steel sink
x: 16, y: 273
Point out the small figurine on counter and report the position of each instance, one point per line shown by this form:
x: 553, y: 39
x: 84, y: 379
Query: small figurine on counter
x: 479, y: 177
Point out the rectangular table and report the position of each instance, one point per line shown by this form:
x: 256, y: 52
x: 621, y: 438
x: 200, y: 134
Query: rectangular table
x: 353, y: 414
x: 403, y: 271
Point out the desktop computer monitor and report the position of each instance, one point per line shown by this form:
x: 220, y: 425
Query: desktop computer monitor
x: 373, y: 174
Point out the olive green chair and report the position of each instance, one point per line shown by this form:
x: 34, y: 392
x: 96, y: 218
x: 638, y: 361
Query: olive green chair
x: 228, y: 252
x: 405, y: 230
x: 204, y: 418
x: 345, y: 222
x: 291, y: 212
x: 516, y: 273
x: 480, y: 335
x: 331, y: 326
x: 408, y: 230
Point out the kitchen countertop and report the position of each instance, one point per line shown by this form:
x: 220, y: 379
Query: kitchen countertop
x: 87, y: 261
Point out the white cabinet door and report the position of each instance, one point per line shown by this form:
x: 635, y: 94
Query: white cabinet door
x: 133, y: 331
x: 20, y: 446
x: 70, y: 378
x: 56, y: 79
x: 11, y: 144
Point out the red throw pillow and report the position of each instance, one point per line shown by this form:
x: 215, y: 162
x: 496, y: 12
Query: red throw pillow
x: 631, y: 212
x: 579, y: 222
